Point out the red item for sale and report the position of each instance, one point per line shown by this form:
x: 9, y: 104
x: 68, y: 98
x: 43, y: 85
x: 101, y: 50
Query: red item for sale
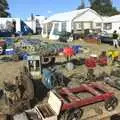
x: 102, y: 60
x: 2, y: 43
x: 96, y: 90
x: 68, y: 52
x: 91, y: 62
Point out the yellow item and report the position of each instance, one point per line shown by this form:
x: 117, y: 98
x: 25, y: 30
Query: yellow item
x: 113, y: 53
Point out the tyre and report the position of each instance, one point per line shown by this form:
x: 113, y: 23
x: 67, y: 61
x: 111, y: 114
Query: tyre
x: 74, y: 114
x: 63, y: 116
x: 60, y: 79
x: 111, y: 103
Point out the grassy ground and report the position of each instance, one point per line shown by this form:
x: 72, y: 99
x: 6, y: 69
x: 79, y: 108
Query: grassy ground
x: 9, y: 70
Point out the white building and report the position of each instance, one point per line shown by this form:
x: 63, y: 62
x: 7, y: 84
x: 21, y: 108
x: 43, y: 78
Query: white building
x: 112, y: 23
x: 26, y: 27
x: 7, y: 23
x: 35, y: 23
x: 75, y: 20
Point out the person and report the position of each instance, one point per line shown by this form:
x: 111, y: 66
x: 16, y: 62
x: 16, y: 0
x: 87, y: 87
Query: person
x: 115, y: 39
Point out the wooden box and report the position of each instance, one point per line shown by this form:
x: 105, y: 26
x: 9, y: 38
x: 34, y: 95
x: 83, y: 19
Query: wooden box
x: 50, y: 110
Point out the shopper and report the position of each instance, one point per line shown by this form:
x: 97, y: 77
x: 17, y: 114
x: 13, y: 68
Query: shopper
x: 115, y: 39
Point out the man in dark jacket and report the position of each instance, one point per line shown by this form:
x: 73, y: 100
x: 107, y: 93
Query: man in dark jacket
x: 115, y: 39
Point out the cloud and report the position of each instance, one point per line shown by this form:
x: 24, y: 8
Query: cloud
x: 49, y: 11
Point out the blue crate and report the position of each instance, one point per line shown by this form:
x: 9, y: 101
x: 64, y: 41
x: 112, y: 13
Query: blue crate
x: 10, y: 51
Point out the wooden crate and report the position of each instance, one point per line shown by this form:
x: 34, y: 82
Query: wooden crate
x: 50, y: 110
x: 46, y: 113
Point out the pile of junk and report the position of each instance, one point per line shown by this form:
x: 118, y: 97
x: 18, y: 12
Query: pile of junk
x: 59, y: 102
x: 40, y: 78
x: 15, y: 51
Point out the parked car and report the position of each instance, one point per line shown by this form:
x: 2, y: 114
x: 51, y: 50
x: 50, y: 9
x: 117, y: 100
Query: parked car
x: 106, y: 39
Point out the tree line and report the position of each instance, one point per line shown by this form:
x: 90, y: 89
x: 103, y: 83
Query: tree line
x: 103, y: 7
x: 4, y: 7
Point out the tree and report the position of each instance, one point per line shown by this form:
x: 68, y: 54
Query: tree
x: 3, y: 8
x: 82, y: 5
x: 103, y: 7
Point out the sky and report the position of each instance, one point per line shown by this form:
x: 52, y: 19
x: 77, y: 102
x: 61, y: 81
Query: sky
x: 24, y: 8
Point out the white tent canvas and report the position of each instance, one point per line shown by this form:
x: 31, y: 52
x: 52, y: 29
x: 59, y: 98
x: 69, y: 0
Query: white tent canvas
x: 89, y: 20
x: 66, y: 16
x: 112, y: 23
x: 64, y: 21
x: 5, y: 22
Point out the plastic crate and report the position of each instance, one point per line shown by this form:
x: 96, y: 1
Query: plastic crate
x: 10, y: 51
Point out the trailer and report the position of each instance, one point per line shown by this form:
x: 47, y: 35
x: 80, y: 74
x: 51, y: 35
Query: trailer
x: 66, y: 105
